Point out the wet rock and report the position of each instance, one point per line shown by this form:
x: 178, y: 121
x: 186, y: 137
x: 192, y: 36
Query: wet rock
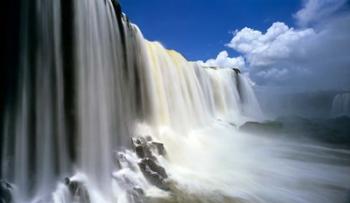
x: 146, y: 149
x: 159, y: 148
x: 154, y: 173
x: 77, y: 190
x: 142, y: 151
x: 142, y: 147
x: 147, y: 163
x: 237, y: 71
x: 232, y: 124
x: 5, y: 192
x: 145, y: 146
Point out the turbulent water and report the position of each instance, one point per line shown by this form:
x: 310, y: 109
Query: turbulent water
x: 88, y: 82
x: 341, y: 105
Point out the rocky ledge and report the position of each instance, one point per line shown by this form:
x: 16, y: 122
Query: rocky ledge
x: 146, y: 149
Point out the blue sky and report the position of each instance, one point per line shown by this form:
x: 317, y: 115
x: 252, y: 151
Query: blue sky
x: 199, y: 29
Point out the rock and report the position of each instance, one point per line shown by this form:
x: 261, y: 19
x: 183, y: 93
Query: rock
x: 77, y: 190
x: 142, y: 147
x: 5, y: 192
x: 232, y: 124
x: 159, y: 148
x: 145, y: 149
x: 153, y: 166
x: 117, y: 7
x: 237, y: 71
x: 154, y: 173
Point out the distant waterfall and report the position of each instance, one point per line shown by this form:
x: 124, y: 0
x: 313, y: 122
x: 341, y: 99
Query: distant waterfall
x: 341, y: 105
x: 86, y: 79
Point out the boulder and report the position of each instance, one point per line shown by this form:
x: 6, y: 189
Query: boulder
x: 145, y: 146
x: 154, y: 173
x: 142, y: 147
x: 146, y: 149
x: 159, y: 147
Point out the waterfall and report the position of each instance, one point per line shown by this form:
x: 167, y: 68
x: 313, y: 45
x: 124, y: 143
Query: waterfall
x: 100, y: 114
x: 77, y: 104
x: 341, y: 105
x: 35, y: 143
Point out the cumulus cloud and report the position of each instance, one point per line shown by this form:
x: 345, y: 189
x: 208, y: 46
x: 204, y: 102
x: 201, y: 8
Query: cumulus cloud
x: 312, y: 58
x: 223, y: 60
x: 263, y: 49
x: 315, y: 10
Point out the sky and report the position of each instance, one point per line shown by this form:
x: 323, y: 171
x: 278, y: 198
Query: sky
x: 199, y: 29
x: 294, y: 44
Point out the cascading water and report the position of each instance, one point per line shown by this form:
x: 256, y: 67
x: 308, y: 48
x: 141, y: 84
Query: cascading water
x: 102, y: 115
x: 341, y: 105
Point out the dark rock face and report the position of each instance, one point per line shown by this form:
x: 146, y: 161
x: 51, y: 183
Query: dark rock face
x: 236, y: 70
x: 154, y: 173
x: 5, y: 192
x: 145, y: 149
x: 78, y: 191
x: 159, y: 147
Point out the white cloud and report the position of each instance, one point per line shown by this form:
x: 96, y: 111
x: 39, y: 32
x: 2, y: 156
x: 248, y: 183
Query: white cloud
x: 222, y: 60
x: 315, y: 10
x: 308, y: 58
x: 276, y: 44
